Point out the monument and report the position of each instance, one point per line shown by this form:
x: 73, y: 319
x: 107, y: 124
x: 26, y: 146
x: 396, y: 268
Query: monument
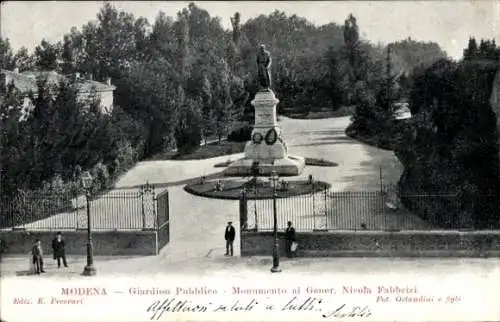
x: 267, y: 149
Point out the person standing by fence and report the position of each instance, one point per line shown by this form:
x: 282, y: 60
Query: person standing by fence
x: 291, y: 240
x: 229, y: 235
x: 59, y: 250
x: 37, y: 254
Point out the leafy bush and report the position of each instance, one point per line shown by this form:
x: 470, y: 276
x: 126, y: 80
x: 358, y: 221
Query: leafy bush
x: 241, y: 134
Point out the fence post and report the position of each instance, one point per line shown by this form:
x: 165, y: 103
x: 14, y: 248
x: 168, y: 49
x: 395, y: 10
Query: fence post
x: 383, y: 199
x: 326, y: 212
x: 77, y: 209
x: 381, y: 180
x: 243, y: 210
x: 154, y: 202
x: 255, y: 208
x: 313, y: 204
x: 142, y: 208
x: 157, y: 216
x: 12, y: 213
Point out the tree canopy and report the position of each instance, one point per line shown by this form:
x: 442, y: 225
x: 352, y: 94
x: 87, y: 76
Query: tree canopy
x: 180, y: 80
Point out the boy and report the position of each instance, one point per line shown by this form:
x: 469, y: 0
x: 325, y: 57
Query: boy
x: 37, y: 253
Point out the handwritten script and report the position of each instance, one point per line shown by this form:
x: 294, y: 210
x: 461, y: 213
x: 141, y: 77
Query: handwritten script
x: 159, y: 308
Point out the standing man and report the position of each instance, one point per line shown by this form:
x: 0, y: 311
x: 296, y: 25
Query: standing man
x: 37, y: 253
x: 58, y: 250
x: 229, y: 235
x: 290, y: 239
x: 264, y: 68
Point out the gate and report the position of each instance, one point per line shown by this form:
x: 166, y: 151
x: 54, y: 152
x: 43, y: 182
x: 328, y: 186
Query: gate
x: 162, y: 219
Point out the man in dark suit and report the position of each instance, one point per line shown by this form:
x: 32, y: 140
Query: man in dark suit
x: 229, y: 235
x: 58, y: 250
x: 37, y: 253
x: 290, y: 239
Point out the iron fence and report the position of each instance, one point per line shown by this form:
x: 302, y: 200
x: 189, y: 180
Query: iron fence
x: 115, y: 210
x: 381, y: 209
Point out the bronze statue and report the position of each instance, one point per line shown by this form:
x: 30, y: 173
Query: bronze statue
x: 264, y: 68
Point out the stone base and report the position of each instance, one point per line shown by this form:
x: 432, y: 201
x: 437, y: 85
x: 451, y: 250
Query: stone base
x: 263, y: 151
x: 289, y: 166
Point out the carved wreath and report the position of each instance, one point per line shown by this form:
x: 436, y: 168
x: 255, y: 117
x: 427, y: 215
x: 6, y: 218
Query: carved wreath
x: 257, y: 138
x: 271, y: 137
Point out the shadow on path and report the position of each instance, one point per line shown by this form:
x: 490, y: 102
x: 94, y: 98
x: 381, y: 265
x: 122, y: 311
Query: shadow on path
x: 175, y: 183
x: 320, y: 132
x: 321, y: 143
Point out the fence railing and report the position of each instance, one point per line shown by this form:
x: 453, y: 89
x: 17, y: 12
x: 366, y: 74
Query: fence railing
x: 382, y: 209
x: 115, y: 210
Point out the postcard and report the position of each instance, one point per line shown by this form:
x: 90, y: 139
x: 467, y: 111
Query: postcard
x: 250, y: 161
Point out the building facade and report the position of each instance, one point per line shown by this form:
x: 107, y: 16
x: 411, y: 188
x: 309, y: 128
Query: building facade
x: 27, y: 83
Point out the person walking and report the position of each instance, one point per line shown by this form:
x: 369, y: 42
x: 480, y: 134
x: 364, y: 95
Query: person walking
x: 37, y: 254
x: 291, y: 240
x: 229, y: 235
x: 58, y: 250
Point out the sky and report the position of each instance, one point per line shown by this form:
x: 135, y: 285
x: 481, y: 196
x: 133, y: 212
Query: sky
x: 449, y: 23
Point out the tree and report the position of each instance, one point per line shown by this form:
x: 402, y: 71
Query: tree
x: 67, y: 61
x: 207, y: 113
x: 188, y: 132
x: 149, y: 93
x: 182, y: 52
x: 6, y: 59
x: 365, y: 118
x: 351, y: 38
x: 389, y: 93
x: 235, y: 22
x: 222, y: 100
x: 408, y: 54
x: 338, y: 78
x: 13, y: 140
x: 141, y: 27
x: 47, y: 55
x: 234, y: 47
x: 116, y: 35
x: 162, y: 37
x: 487, y: 49
x: 23, y: 61
x: 86, y: 48
x: 429, y: 82
x: 77, y: 53
x: 471, y: 50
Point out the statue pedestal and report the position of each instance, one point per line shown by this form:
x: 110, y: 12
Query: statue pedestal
x: 266, y: 147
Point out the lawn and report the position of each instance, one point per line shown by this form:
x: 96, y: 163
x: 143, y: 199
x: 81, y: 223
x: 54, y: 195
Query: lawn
x: 211, y: 150
x: 225, y: 147
x: 385, y: 139
x: 309, y: 161
x: 323, y: 113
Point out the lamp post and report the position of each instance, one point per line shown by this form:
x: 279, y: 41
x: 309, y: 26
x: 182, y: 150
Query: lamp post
x: 89, y: 269
x: 255, y: 170
x: 243, y: 209
x: 276, y: 255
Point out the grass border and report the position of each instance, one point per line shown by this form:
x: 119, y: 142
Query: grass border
x: 313, y: 162
x: 235, y: 192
